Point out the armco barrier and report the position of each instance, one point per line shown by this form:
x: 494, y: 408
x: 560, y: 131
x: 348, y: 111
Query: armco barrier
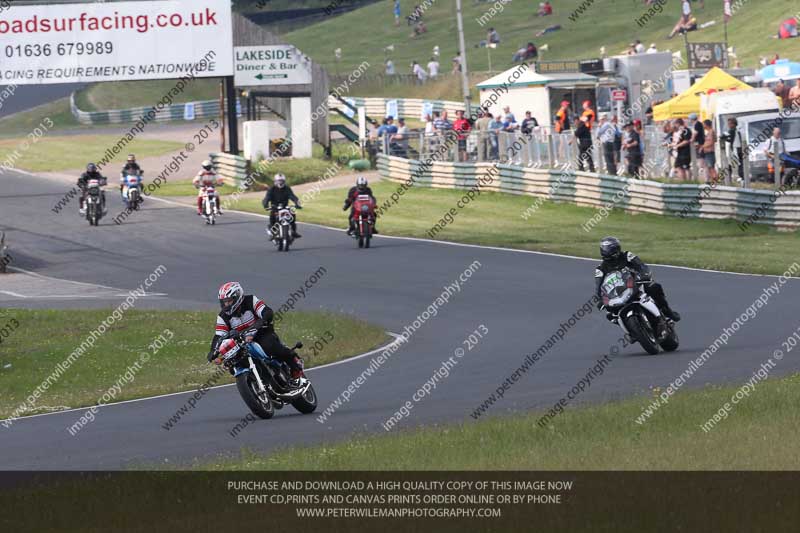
x: 596, y: 190
x: 204, y: 109
x: 408, y: 108
x: 234, y: 169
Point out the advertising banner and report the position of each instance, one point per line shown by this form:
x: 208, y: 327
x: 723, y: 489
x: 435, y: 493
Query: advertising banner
x: 73, y: 43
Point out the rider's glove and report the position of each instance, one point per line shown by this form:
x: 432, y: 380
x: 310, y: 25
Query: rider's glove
x: 600, y: 306
x: 344, y: 208
x: 298, y: 206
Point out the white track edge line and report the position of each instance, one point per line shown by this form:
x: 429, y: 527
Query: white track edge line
x: 397, y: 339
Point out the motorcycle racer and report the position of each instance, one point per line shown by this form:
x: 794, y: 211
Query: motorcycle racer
x: 92, y: 173
x: 207, y: 178
x: 280, y: 194
x: 361, y: 187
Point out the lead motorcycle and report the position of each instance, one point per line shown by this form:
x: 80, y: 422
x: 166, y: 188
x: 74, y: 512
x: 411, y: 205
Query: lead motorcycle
x: 210, y: 210
x: 282, y: 230
x: 364, y: 218
x: 95, y: 200
x: 630, y: 307
x: 265, y: 385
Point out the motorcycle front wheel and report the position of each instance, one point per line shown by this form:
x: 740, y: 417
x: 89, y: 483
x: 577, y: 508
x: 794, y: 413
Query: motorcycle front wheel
x: 248, y: 387
x: 307, y: 403
x: 642, y: 334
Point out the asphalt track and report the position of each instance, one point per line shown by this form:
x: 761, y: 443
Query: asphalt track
x: 28, y: 96
x: 520, y: 297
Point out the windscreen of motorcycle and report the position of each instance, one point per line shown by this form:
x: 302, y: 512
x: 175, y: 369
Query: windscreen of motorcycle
x: 617, y: 288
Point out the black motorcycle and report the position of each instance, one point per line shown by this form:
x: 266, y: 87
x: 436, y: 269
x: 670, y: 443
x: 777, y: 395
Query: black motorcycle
x: 281, y: 232
x: 94, y: 201
x: 636, y: 313
x: 265, y: 385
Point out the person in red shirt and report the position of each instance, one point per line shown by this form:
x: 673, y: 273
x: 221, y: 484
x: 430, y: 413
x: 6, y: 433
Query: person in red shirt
x: 589, y: 113
x: 462, y: 127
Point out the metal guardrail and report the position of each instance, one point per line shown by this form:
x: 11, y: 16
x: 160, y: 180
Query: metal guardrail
x: 203, y: 109
x: 234, y: 169
x: 599, y: 190
x: 408, y: 108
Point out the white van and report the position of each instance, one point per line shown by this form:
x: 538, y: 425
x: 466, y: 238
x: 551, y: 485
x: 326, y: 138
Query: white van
x: 756, y: 131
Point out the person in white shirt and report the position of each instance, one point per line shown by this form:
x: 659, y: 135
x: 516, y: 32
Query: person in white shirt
x: 419, y: 72
x: 638, y: 47
x: 389, y: 67
x: 433, y: 68
x: 652, y: 49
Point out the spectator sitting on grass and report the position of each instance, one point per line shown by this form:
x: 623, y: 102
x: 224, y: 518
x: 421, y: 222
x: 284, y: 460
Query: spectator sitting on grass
x: 492, y: 37
x: 419, y: 29
x: 686, y: 23
x: 526, y: 53
x: 545, y: 9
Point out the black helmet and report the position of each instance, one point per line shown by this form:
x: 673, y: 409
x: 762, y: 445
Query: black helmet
x: 91, y: 168
x: 610, y: 248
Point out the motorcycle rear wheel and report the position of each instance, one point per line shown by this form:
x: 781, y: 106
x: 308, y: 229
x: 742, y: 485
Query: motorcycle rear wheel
x: 247, y: 386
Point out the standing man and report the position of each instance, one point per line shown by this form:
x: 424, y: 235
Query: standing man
x: 698, y: 140
x: 631, y: 146
x: 482, y: 127
x: 589, y: 113
x: 606, y: 134
x: 562, y: 118
x: 433, y: 68
x: 528, y: 123
x: 682, y: 144
x: 776, y: 147
x: 617, y: 142
x: 794, y: 94
x: 461, y: 126
x: 584, y: 136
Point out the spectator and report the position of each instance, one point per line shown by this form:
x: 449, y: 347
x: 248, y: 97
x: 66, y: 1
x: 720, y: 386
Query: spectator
x: 399, y: 140
x: 652, y: 49
x: 776, y: 149
x: 389, y: 67
x: 685, y: 22
x: 419, y: 29
x: 584, y: 136
x: 508, y: 115
x: 510, y: 123
x: 588, y: 112
x: 457, y: 63
x: 433, y: 68
x: 734, y: 139
x: 419, y: 72
x: 669, y: 130
x: 396, y: 12
x: 461, y: 126
x: 794, y: 94
x: 617, y: 141
x: 782, y: 90
x: 698, y: 140
x: 682, y: 144
x: 638, y: 47
x: 528, y: 123
x: 442, y: 124
x: 637, y: 126
x: 562, y: 118
x: 606, y: 133
x: 709, y: 157
x: 482, y: 129
x: 632, y: 150
x: 429, y: 129
x: 494, y: 128
x: 545, y: 9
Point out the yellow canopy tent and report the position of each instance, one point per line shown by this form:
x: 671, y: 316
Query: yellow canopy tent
x: 689, y: 101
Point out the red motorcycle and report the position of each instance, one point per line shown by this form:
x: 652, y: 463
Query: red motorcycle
x: 364, y: 218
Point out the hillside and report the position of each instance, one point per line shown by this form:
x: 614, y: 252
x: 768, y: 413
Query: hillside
x: 363, y: 34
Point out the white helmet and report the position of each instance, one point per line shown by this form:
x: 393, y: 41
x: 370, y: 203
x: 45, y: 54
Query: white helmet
x: 231, y: 295
x: 280, y: 180
x: 207, y: 165
x: 361, y: 182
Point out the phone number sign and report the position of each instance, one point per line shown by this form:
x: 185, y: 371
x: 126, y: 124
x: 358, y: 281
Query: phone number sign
x: 95, y: 42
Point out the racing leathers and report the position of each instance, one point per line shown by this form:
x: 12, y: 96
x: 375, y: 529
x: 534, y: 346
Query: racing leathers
x: 352, y: 194
x: 254, y: 317
x: 206, y: 178
x: 83, y: 186
x: 643, y: 274
x: 280, y: 196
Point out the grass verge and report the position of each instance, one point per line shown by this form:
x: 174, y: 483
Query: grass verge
x: 179, y: 365
x: 761, y: 433
x: 495, y: 219
x: 52, y: 153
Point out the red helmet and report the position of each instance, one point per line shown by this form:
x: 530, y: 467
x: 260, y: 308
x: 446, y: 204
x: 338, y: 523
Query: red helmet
x: 564, y: 103
x: 226, y: 346
x: 587, y: 103
x: 231, y: 295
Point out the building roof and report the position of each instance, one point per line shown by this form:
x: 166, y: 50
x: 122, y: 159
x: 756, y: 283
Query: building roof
x: 530, y: 78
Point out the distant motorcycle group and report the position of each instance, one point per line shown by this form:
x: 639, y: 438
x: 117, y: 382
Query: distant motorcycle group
x: 93, y: 197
